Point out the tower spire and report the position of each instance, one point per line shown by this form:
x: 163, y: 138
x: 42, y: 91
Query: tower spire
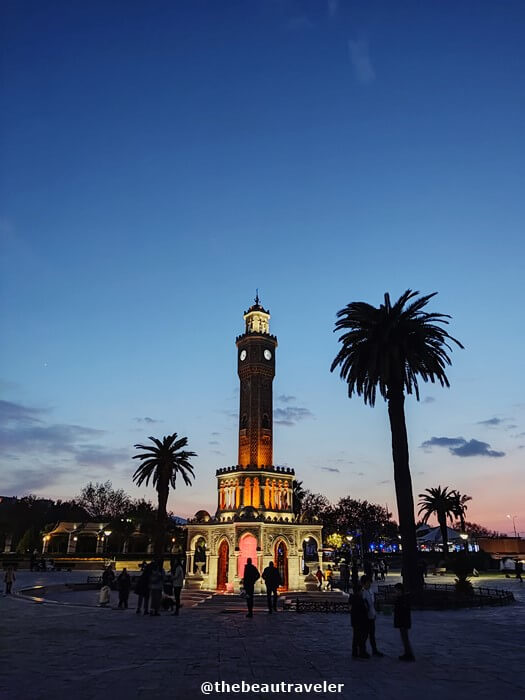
x: 257, y: 296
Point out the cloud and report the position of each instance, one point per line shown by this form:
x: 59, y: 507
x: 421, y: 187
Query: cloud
x: 213, y: 442
x: 26, y: 480
x: 215, y: 433
x: 429, y: 399
x: 491, y: 422
x: 285, y: 398
x: 512, y: 426
x: 149, y: 420
x: 518, y: 435
x: 333, y: 7
x: 28, y: 437
x: 361, y: 62
x: 385, y: 481
x: 463, y: 448
x: 291, y: 415
x: 218, y: 452
x: 330, y: 469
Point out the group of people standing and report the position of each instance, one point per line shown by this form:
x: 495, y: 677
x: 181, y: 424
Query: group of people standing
x: 363, y: 618
x: 155, y: 587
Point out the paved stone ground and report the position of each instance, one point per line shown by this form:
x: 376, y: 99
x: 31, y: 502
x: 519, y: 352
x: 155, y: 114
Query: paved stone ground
x: 86, y: 653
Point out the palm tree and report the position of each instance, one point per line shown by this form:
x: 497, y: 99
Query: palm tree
x: 441, y: 503
x: 161, y: 462
x: 298, y: 494
x: 460, y: 507
x: 388, y: 348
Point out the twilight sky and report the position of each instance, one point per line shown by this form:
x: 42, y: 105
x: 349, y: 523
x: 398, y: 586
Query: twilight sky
x: 160, y: 160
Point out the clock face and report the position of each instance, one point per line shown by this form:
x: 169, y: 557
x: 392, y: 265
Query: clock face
x: 267, y: 354
x: 242, y: 355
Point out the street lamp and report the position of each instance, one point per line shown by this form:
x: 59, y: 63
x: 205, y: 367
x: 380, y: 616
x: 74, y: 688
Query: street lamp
x: 464, y: 537
x: 107, y: 533
x: 513, y: 518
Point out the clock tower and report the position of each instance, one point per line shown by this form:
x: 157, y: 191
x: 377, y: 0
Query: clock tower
x: 256, y: 370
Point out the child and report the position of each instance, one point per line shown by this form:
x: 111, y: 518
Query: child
x: 402, y: 620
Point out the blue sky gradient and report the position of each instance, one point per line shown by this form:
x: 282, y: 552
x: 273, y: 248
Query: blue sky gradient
x: 161, y: 160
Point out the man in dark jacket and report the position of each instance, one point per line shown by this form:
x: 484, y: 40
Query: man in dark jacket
x: 142, y: 588
x: 123, y: 586
x: 251, y: 575
x: 402, y: 620
x: 272, y: 579
x: 359, y: 619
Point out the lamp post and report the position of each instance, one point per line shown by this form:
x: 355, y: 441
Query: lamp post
x: 464, y: 537
x: 513, y: 518
x: 107, y: 533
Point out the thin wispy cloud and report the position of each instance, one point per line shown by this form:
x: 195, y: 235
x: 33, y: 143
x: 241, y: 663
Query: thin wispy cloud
x: 291, y: 415
x: 491, y: 422
x: 429, y: 399
x: 460, y: 447
x: 147, y: 419
x: 330, y: 469
x: 286, y: 398
x: 333, y: 7
x: 361, y: 61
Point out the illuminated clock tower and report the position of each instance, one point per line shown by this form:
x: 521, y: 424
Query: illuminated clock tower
x: 256, y: 369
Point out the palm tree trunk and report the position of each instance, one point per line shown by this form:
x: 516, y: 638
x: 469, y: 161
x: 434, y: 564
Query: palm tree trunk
x: 442, y: 520
x: 403, y: 484
x: 160, y: 537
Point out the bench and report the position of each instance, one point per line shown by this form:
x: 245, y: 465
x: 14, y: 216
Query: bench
x: 440, y: 571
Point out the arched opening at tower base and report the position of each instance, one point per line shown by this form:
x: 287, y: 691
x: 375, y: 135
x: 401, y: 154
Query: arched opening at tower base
x: 247, y: 548
x: 222, y: 566
x: 281, y: 562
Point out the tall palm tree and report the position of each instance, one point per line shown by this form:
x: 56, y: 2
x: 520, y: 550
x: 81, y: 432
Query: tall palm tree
x: 388, y: 348
x: 162, y: 462
x: 441, y: 503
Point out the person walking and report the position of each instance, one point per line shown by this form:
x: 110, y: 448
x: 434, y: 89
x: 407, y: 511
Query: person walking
x: 123, y: 587
x: 178, y: 582
x: 359, y: 620
x: 250, y: 576
x: 329, y: 579
x: 9, y: 579
x: 320, y: 578
x: 142, y: 588
x: 382, y: 569
x: 272, y: 579
x: 402, y: 620
x: 155, y: 589
x: 368, y: 597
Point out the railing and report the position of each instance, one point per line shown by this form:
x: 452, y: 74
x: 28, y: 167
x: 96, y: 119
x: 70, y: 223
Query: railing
x: 436, y: 596
x: 307, y: 606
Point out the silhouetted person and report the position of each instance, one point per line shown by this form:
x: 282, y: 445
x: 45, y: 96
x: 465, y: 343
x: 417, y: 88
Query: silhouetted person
x: 9, y: 579
x: 178, y: 582
x: 359, y: 619
x: 250, y: 576
x: 123, y: 587
x: 108, y: 576
x: 368, y: 597
x: 402, y: 620
x: 519, y: 570
x: 320, y: 578
x: 344, y: 574
x: 155, y: 589
x: 382, y: 569
x: 368, y: 568
x: 272, y: 579
x: 142, y: 588
x: 329, y: 579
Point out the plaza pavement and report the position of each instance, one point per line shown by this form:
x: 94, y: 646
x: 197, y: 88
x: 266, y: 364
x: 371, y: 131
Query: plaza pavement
x: 56, y: 651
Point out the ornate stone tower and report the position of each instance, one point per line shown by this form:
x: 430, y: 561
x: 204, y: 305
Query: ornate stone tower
x: 256, y: 369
